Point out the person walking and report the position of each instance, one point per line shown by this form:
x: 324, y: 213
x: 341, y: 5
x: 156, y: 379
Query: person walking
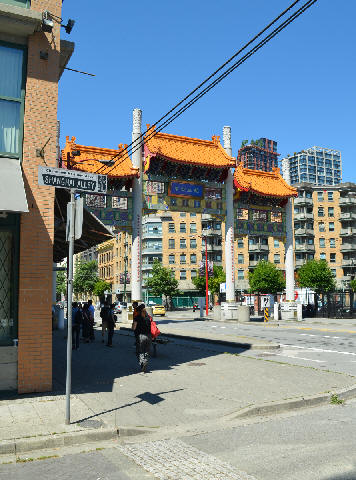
x: 76, y: 323
x: 108, y: 322
x: 86, y: 323
x: 141, y: 325
x: 91, y: 310
x: 103, y: 315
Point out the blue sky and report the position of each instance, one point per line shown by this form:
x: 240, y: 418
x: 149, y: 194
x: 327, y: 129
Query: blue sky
x: 298, y: 90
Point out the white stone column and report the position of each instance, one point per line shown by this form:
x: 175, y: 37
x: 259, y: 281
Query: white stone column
x: 136, y: 253
x: 289, y: 252
x: 229, y: 223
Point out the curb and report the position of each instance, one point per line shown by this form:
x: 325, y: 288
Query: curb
x: 22, y: 445
x: 219, y: 341
x: 289, y: 405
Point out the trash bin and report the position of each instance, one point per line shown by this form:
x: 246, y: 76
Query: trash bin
x: 60, y: 317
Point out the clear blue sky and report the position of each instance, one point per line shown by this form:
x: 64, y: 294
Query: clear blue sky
x: 298, y: 90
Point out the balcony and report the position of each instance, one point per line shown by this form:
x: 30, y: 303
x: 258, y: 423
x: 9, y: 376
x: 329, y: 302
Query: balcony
x: 303, y: 201
x: 348, y: 247
x: 208, y: 232
x: 151, y: 251
x: 347, y: 232
x: 258, y: 248
x: 300, y: 263
x: 348, y: 216
x: 345, y: 201
x: 349, y: 263
x: 152, y: 235
x: 303, y: 216
x: 304, y: 232
x: 304, y: 247
x: 212, y: 248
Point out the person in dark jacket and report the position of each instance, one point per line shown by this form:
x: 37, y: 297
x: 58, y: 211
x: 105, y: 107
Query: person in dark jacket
x: 141, y: 325
x: 86, y: 323
x: 76, y: 324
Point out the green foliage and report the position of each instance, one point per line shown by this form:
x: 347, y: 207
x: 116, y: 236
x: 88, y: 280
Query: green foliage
x: 316, y: 274
x: 61, y: 283
x: 243, y: 143
x: 85, y: 277
x: 101, y: 287
x: 266, y: 278
x: 162, y: 281
x: 353, y: 285
x: 213, y: 282
x: 335, y: 400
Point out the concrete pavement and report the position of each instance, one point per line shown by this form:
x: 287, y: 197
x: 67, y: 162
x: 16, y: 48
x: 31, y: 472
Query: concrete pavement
x: 189, y: 384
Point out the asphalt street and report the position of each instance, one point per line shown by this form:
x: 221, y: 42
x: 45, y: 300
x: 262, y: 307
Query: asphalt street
x: 325, y: 347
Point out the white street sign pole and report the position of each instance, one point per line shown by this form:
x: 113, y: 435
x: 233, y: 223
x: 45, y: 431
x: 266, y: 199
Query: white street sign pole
x: 70, y: 299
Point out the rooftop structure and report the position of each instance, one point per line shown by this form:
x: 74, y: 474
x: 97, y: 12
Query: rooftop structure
x: 316, y: 165
x: 259, y: 154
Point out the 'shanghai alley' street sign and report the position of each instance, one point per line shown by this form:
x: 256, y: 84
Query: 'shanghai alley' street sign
x: 72, y: 179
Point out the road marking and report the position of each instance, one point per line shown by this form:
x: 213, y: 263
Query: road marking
x: 309, y: 334
x: 300, y: 358
x: 318, y: 329
x: 318, y: 349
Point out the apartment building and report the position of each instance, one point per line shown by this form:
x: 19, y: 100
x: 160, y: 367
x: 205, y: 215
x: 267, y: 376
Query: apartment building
x: 258, y: 154
x: 315, y: 165
x: 106, y: 261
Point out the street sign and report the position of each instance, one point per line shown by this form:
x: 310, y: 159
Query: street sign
x: 72, y: 179
x: 78, y: 219
x: 265, y: 302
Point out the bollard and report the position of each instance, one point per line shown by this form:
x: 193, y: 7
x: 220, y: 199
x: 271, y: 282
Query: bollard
x: 266, y: 315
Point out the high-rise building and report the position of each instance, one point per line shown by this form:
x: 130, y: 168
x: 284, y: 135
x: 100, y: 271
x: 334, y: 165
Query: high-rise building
x: 315, y: 165
x: 259, y: 154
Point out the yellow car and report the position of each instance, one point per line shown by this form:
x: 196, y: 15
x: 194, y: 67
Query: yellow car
x: 159, y: 310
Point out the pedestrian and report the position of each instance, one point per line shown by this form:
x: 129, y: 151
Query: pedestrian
x: 108, y: 322
x: 86, y: 323
x: 135, y: 313
x: 142, y: 326
x: 91, y: 310
x: 76, y: 323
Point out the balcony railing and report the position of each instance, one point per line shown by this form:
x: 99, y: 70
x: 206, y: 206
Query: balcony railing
x: 303, y: 201
x: 305, y: 247
x: 349, y: 263
x: 348, y: 247
x: 258, y: 248
x: 303, y: 216
x: 347, y: 232
x: 347, y: 201
x: 350, y: 216
x: 304, y: 231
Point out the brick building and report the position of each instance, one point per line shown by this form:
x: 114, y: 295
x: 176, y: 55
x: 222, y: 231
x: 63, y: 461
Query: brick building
x: 31, y: 62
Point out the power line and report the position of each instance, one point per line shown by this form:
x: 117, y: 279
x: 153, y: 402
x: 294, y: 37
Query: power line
x: 251, y: 52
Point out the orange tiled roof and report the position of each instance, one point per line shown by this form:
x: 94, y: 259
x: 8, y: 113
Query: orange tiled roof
x: 263, y: 183
x: 205, y: 153
x: 90, y: 158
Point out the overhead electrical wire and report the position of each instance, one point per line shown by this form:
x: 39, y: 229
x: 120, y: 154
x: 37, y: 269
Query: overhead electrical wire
x: 159, y: 126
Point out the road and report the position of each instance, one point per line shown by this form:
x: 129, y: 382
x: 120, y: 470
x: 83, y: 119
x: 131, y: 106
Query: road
x: 326, y: 347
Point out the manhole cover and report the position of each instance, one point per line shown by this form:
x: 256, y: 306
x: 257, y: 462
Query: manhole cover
x: 196, y: 364
x: 90, y: 423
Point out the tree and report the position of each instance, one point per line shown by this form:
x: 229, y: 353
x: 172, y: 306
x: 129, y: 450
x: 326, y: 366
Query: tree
x: 101, y: 287
x: 213, y: 281
x: 316, y: 274
x: 162, y: 282
x: 61, y: 282
x: 266, y: 278
x: 85, y: 277
x: 353, y: 285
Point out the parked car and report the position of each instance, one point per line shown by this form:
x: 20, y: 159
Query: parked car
x: 159, y: 310
x: 196, y: 307
x: 117, y: 308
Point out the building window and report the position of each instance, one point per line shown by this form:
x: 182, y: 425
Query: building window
x: 12, y: 94
x: 193, y: 228
x: 17, y: 3
x: 217, y: 226
x: 276, y: 243
x: 183, y: 258
x: 193, y: 243
x: 321, y: 227
x: 193, y: 274
x: 308, y: 194
x: 182, y: 228
x: 332, y: 257
x: 240, y: 274
x: 330, y: 196
x: 310, y: 241
x: 183, y: 275
x: 171, y: 259
x: 320, y: 211
x: 173, y: 202
x: 332, y: 242
x: 193, y: 214
x: 240, y: 258
x: 320, y: 196
x: 171, y: 243
x: 182, y: 214
x: 277, y: 258
x: 264, y: 241
x: 183, y: 243
x: 193, y: 258
x: 331, y: 227
x: 322, y: 242
x: 171, y: 228
x: 240, y: 243
x: 331, y: 211
x: 218, y: 258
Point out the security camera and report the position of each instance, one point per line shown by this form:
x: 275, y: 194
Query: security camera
x: 47, y: 22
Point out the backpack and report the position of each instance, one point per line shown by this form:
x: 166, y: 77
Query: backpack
x: 107, y: 315
x: 78, y: 319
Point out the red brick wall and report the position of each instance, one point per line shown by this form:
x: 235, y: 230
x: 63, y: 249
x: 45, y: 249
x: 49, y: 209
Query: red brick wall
x: 37, y: 226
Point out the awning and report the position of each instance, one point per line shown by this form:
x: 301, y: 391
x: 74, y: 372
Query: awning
x: 12, y: 190
x: 94, y: 232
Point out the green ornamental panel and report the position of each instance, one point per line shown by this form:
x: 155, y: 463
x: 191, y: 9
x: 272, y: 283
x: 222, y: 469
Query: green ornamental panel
x: 113, y: 209
x: 259, y: 220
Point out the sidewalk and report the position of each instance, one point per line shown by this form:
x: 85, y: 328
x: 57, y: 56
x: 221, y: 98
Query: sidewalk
x: 189, y: 383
